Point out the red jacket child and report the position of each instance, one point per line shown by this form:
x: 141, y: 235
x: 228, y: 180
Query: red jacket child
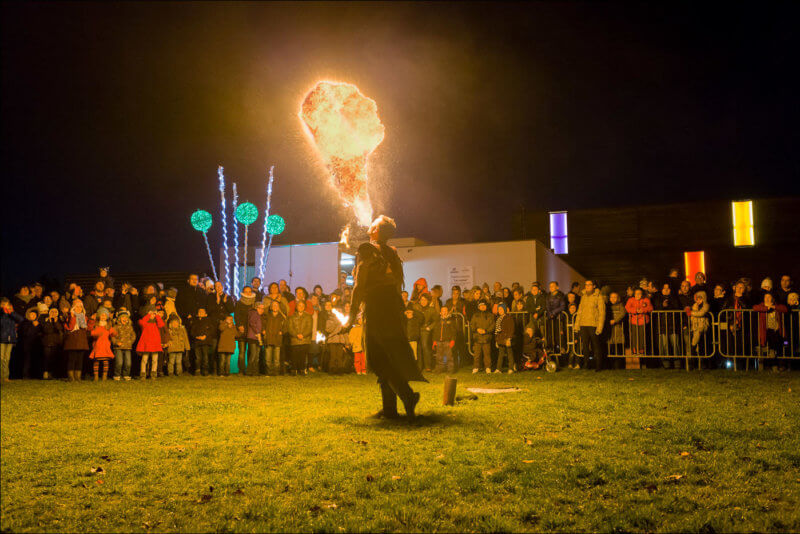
x: 639, y: 310
x: 150, y: 341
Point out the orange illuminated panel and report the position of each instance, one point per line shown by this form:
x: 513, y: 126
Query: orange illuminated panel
x: 743, y: 224
x: 694, y: 262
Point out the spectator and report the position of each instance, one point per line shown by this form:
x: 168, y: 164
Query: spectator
x: 52, y: 338
x: 429, y: 318
x: 274, y: 295
x: 356, y: 339
x: 793, y: 305
x: 122, y: 341
x: 226, y: 345
x: 204, y: 331
x: 616, y: 335
x: 668, y: 324
x: 30, y: 338
x: 766, y: 287
x: 285, y: 290
x: 782, y: 293
x: 76, y: 341
x: 274, y: 322
x: 700, y: 284
x: 149, y: 345
x: 436, y: 297
x: 537, y: 307
x: 255, y: 338
x: 319, y: 293
x: 503, y: 338
x: 699, y: 320
x: 413, y: 325
x: 674, y: 280
x: 189, y: 298
x: 21, y: 301
x: 94, y: 299
x: 162, y: 356
x: 444, y: 339
x: 127, y: 297
x: 255, y: 283
x: 101, y: 351
x: 336, y: 340
x: 420, y: 288
x: 472, y: 304
x: 589, y: 321
x: 639, y: 308
x: 771, y: 331
x: 240, y: 317
x: 169, y: 302
x: 575, y: 289
x: 719, y: 299
x: 482, y: 325
x: 9, y: 319
x: 300, y: 328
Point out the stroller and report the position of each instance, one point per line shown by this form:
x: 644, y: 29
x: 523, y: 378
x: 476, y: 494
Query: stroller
x: 536, y: 355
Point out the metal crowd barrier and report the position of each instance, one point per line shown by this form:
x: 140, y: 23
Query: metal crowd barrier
x: 673, y: 334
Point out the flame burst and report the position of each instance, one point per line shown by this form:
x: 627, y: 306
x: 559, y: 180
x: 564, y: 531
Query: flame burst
x: 346, y: 129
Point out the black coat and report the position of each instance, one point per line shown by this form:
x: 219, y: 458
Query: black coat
x: 189, y: 299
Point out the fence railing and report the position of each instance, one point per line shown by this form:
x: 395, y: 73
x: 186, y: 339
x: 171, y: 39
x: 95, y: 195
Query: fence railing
x: 673, y: 334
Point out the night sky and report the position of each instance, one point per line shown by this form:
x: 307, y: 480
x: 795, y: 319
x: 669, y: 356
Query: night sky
x: 115, y: 117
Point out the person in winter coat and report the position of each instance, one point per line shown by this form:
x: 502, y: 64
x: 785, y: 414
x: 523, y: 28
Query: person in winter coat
x: 76, y: 340
x: 784, y: 290
x: 356, y: 340
x: 699, y: 321
x: 274, y: 295
x: 589, y: 322
x: 128, y: 298
x: 482, y: 326
x: 793, y: 305
x: 425, y: 332
x: 190, y: 297
x: 668, y: 324
x: 30, y: 341
x: 444, y: 339
x: 21, y: 301
x: 9, y: 319
x: 503, y: 338
x: 149, y: 344
x: 169, y: 302
x: 101, y: 351
x: 700, y: 284
x: 536, y: 303
x: 413, y: 325
x: 555, y: 323
x: 203, y: 333
x: 639, y: 308
x: 94, y: 300
x: 771, y: 333
x: 300, y: 330
x: 719, y: 299
x: 420, y: 288
x: 241, y: 311
x: 274, y: 324
x: 52, y: 338
x: 163, y: 356
x: 520, y: 317
x: 177, y: 345
x: 255, y: 339
x: 336, y: 340
x: 226, y: 345
x: 122, y: 343
x: 616, y: 328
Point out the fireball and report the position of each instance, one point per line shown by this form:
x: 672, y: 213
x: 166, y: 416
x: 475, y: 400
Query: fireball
x: 345, y: 129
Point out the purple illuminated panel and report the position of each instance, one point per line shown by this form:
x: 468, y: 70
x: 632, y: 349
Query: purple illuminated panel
x: 558, y: 232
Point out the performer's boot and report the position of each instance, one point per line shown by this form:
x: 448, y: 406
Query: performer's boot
x: 389, y: 398
x: 409, y: 397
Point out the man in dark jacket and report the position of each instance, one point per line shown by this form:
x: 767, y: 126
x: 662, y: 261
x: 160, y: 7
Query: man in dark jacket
x: 240, y: 317
x: 556, y: 321
x: 190, y: 297
x: 482, y: 326
x: 444, y: 339
x: 127, y: 297
x: 667, y: 324
x: 458, y: 309
x: 413, y: 324
x: 537, y: 307
x: 255, y: 338
x: 203, y: 335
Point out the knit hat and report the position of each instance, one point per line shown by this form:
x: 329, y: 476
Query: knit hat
x: 484, y: 302
x: 503, y: 305
x: 172, y: 292
x: 123, y: 312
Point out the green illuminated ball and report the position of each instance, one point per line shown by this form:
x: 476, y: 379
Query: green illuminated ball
x: 275, y: 224
x: 201, y: 220
x: 247, y: 213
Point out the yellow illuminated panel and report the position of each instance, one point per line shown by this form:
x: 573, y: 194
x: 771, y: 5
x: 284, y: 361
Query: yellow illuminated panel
x: 743, y: 225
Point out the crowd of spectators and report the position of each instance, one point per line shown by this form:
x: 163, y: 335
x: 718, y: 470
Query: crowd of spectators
x: 119, y: 331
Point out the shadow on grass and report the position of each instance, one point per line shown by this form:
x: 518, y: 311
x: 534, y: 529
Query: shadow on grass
x: 422, y: 420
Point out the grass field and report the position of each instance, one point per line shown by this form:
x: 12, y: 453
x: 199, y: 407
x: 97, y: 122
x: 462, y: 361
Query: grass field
x: 617, y: 451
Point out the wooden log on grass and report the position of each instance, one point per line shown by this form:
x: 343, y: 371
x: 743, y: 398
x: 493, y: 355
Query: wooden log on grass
x: 449, y: 398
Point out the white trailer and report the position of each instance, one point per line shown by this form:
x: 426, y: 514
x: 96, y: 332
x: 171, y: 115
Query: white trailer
x: 465, y: 264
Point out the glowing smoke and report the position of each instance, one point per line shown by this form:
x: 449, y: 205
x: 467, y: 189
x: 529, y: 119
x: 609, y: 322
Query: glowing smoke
x: 345, y: 128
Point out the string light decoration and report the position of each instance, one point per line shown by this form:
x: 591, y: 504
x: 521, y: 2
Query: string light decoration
x: 201, y: 221
x: 235, y: 243
x: 246, y: 214
x: 263, y: 264
x: 275, y: 226
x: 223, y: 218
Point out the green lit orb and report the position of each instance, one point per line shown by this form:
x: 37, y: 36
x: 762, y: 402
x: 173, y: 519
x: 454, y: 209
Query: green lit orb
x: 275, y: 224
x: 201, y: 220
x: 247, y: 213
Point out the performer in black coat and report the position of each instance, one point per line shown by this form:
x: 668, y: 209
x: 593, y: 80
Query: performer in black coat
x: 378, y: 282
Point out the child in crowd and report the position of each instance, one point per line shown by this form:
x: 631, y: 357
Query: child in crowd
x: 770, y: 327
x: 503, y: 336
x: 203, y: 336
x: 356, y: 338
x: 101, y: 351
x: 274, y: 324
x: 226, y: 346
x: 444, y: 339
x: 76, y: 341
x: 150, y: 341
x: 30, y: 337
x: 572, y: 311
x: 639, y: 308
x: 698, y: 320
x: 122, y: 342
x: 616, y: 331
x: 178, y: 344
x: 9, y: 319
x: 300, y: 328
x: 52, y: 338
x: 162, y: 356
